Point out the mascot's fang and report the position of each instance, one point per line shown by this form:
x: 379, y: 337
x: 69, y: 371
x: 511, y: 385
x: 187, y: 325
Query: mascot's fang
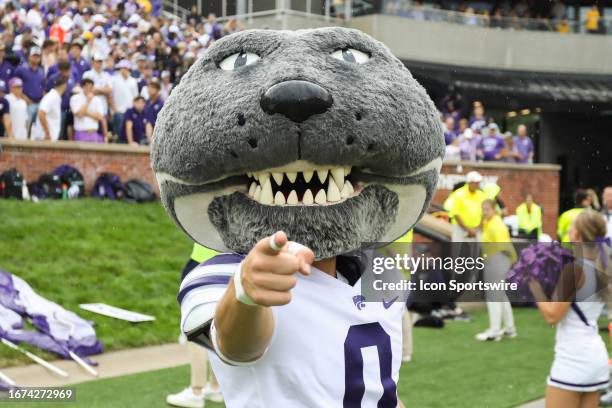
x: 332, y: 185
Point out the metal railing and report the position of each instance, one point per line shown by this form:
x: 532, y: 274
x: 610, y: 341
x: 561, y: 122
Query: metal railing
x: 328, y: 10
x: 172, y: 10
x: 392, y: 7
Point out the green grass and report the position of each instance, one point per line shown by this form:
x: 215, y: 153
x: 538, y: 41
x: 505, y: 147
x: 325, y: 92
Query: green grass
x: 88, y: 251
x: 131, y: 255
x: 146, y: 390
x: 450, y: 369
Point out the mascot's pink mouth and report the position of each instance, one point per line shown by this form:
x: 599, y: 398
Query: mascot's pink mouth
x: 302, y: 184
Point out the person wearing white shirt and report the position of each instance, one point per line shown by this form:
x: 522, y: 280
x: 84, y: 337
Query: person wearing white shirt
x: 18, y: 108
x: 102, y: 80
x: 606, y: 208
x: 35, y: 21
x: 49, y: 116
x: 165, y: 86
x: 124, y: 90
x: 88, y: 113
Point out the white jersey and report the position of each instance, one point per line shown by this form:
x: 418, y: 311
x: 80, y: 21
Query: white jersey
x: 329, y: 348
x: 586, y: 370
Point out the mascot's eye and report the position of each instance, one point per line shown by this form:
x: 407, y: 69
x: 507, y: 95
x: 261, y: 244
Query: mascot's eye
x: 351, y: 55
x: 238, y: 60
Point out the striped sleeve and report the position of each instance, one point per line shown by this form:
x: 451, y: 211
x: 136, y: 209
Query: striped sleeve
x: 202, y: 288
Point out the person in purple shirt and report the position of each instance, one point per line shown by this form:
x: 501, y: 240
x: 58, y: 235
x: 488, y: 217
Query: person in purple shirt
x: 449, y: 130
x: 135, y: 125
x: 154, y: 104
x: 6, y: 68
x: 33, y: 78
x: 524, y: 145
x: 5, y: 113
x: 79, y: 64
x: 491, y: 146
x: 478, y: 120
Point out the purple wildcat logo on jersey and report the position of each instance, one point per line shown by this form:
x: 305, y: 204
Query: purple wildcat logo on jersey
x: 359, y: 301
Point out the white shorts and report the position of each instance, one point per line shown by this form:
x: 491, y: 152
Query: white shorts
x: 581, y: 369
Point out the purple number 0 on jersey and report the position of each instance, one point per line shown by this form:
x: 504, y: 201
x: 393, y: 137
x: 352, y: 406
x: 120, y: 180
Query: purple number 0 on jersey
x: 358, y: 337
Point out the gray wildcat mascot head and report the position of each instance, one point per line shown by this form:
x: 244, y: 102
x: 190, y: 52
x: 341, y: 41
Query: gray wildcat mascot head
x: 321, y: 133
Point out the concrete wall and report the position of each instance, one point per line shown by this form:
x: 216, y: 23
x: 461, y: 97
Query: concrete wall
x: 455, y: 44
x: 289, y: 22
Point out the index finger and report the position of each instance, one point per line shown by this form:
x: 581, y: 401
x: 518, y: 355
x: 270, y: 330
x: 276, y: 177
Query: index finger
x: 273, y: 244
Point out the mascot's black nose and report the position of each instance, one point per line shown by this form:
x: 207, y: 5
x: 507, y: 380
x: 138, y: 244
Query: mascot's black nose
x: 297, y: 100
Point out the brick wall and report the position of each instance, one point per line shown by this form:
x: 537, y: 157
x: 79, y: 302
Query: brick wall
x: 541, y: 180
x: 35, y: 158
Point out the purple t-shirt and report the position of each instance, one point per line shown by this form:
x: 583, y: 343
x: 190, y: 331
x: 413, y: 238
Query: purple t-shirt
x: 80, y: 67
x: 6, y: 72
x: 139, y: 122
x: 477, y: 123
x: 152, y: 109
x: 33, y: 81
x: 491, y: 145
x: 4, y: 109
x: 524, y: 145
x: 449, y: 136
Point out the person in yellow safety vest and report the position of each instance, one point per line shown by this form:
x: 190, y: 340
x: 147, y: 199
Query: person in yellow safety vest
x: 581, y: 201
x: 198, y: 390
x: 448, y: 203
x: 402, y: 246
x: 202, y: 254
x: 492, y: 191
x: 499, y: 254
x: 466, y: 209
x: 529, y: 216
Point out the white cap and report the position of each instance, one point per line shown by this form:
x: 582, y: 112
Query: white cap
x: 468, y: 133
x: 473, y: 177
x: 65, y: 23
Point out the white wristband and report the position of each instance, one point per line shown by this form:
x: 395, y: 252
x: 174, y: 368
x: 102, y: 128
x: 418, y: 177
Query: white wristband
x: 241, y: 295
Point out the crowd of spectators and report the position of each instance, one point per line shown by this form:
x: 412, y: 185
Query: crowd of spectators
x: 478, y: 138
x: 93, y: 71
x: 507, y: 14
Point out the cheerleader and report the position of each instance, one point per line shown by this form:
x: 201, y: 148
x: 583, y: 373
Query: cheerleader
x: 580, y: 367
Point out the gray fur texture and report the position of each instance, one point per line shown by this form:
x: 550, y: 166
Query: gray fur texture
x: 212, y: 127
x: 242, y: 221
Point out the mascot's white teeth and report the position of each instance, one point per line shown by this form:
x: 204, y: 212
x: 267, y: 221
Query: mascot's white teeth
x: 293, y: 187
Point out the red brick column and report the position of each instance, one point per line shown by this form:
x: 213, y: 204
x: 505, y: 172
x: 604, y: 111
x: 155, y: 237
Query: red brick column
x: 515, y: 180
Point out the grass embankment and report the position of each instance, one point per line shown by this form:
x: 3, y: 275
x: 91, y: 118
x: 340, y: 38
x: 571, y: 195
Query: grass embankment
x: 89, y: 251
